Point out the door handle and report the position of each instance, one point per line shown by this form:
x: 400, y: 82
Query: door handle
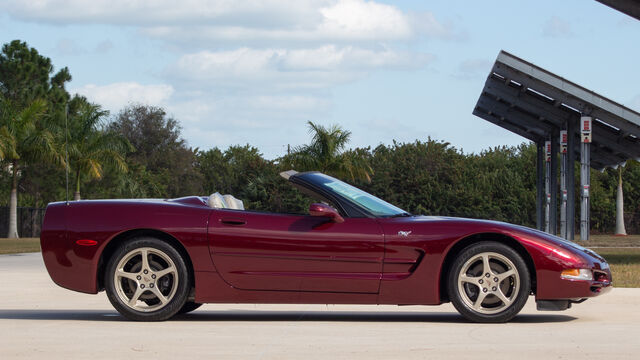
x: 232, y: 221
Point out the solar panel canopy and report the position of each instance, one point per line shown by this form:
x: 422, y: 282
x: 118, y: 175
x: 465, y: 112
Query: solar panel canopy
x: 536, y: 104
x: 629, y: 7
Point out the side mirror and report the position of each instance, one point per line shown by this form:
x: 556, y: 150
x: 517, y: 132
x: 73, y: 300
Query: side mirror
x: 327, y: 211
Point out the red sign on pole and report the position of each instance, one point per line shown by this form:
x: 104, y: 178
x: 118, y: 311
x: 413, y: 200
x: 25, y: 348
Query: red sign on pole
x: 563, y: 141
x: 547, y: 146
x: 585, y: 129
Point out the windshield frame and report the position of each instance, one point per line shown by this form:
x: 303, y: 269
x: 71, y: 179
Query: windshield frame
x: 345, y: 192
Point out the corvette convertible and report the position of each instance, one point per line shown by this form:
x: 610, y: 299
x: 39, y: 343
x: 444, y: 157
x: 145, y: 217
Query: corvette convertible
x: 159, y: 258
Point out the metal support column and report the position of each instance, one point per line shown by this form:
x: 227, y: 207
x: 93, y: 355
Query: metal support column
x: 540, y: 194
x: 563, y: 184
x: 553, y: 184
x: 547, y: 185
x: 585, y: 175
x: 571, y: 178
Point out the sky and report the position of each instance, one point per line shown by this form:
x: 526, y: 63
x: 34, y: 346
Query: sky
x: 254, y: 72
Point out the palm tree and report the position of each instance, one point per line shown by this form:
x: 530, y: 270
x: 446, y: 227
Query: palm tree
x: 326, y: 153
x: 24, y: 139
x: 90, y: 147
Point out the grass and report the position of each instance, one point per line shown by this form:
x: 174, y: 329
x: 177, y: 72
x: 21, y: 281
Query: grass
x: 625, y: 265
x: 23, y: 245
x: 610, y: 241
x: 618, y: 250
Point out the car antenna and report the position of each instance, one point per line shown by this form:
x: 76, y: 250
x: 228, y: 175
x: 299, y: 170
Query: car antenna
x: 66, y: 147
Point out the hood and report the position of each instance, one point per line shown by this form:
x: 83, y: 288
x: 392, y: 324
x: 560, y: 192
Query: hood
x: 465, y: 227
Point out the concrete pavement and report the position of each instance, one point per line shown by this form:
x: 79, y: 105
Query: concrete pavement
x: 38, y: 319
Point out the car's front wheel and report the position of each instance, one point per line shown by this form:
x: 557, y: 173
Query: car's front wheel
x: 147, y: 280
x: 489, y: 282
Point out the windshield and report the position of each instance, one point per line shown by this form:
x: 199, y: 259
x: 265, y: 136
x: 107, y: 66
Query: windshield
x: 368, y: 202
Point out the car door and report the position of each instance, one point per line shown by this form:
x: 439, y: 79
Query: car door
x: 270, y: 251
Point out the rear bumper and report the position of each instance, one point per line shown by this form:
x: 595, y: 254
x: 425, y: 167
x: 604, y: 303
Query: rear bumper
x: 70, y: 265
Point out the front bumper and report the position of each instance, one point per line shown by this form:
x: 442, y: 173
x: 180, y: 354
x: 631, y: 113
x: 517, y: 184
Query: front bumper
x: 552, y: 287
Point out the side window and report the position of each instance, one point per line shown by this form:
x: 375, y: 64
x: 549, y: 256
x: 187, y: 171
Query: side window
x: 288, y: 199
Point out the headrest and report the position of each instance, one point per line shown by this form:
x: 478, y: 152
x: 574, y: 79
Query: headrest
x: 233, y: 203
x: 216, y: 201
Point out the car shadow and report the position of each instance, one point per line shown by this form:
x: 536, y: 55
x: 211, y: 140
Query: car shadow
x: 272, y: 316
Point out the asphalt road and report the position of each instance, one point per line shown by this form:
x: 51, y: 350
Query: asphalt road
x: 38, y: 319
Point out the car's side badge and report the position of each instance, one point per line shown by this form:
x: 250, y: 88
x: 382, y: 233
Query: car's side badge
x: 404, y: 233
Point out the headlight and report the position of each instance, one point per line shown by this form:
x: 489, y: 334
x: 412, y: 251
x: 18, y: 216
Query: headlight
x: 577, y: 274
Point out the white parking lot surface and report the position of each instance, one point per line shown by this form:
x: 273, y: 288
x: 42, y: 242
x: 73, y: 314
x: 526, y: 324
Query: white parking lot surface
x: 38, y: 319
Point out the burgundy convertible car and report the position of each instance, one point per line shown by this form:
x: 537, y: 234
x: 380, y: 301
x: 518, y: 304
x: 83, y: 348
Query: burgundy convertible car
x: 159, y: 258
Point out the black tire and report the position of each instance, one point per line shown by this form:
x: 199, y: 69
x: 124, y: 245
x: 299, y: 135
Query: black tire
x: 489, y: 296
x: 160, y: 285
x: 189, y: 306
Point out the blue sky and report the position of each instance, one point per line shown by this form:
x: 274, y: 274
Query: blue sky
x: 254, y: 72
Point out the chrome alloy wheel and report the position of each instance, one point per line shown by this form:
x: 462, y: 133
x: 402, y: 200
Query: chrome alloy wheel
x: 146, y: 279
x: 488, y: 283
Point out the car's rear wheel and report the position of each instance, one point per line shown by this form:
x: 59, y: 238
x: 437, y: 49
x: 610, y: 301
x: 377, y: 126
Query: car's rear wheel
x: 489, y: 282
x: 147, y: 280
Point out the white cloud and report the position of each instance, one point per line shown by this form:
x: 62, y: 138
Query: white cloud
x: 359, y: 19
x: 426, y: 24
x: 290, y: 68
x: 247, y: 71
x: 265, y: 121
x: 193, y: 22
x: 149, y: 12
x: 556, y: 27
x: 114, y: 97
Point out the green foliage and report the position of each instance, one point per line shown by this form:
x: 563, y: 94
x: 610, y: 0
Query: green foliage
x: 89, y: 146
x: 163, y: 164
x: 326, y: 153
x: 243, y: 172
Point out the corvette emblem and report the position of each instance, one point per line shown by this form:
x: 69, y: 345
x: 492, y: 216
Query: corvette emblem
x: 404, y: 233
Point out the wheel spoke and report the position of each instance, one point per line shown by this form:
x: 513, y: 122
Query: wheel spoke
x: 135, y: 297
x: 502, y: 298
x: 486, y: 267
x: 145, y: 259
x: 478, y: 303
x: 470, y: 279
x: 163, y: 272
x: 505, y: 275
x: 159, y: 295
x: 127, y: 275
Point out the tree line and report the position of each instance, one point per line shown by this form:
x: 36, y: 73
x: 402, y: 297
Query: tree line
x: 140, y: 153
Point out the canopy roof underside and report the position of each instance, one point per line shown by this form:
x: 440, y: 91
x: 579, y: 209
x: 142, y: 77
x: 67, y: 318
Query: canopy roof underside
x: 536, y: 104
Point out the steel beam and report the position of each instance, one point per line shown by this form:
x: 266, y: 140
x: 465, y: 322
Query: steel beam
x: 491, y: 117
x: 525, y: 120
x: 540, y: 198
x: 585, y: 176
x: 547, y: 187
x: 526, y: 102
x: 571, y: 178
x: 553, y: 183
x: 563, y: 183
